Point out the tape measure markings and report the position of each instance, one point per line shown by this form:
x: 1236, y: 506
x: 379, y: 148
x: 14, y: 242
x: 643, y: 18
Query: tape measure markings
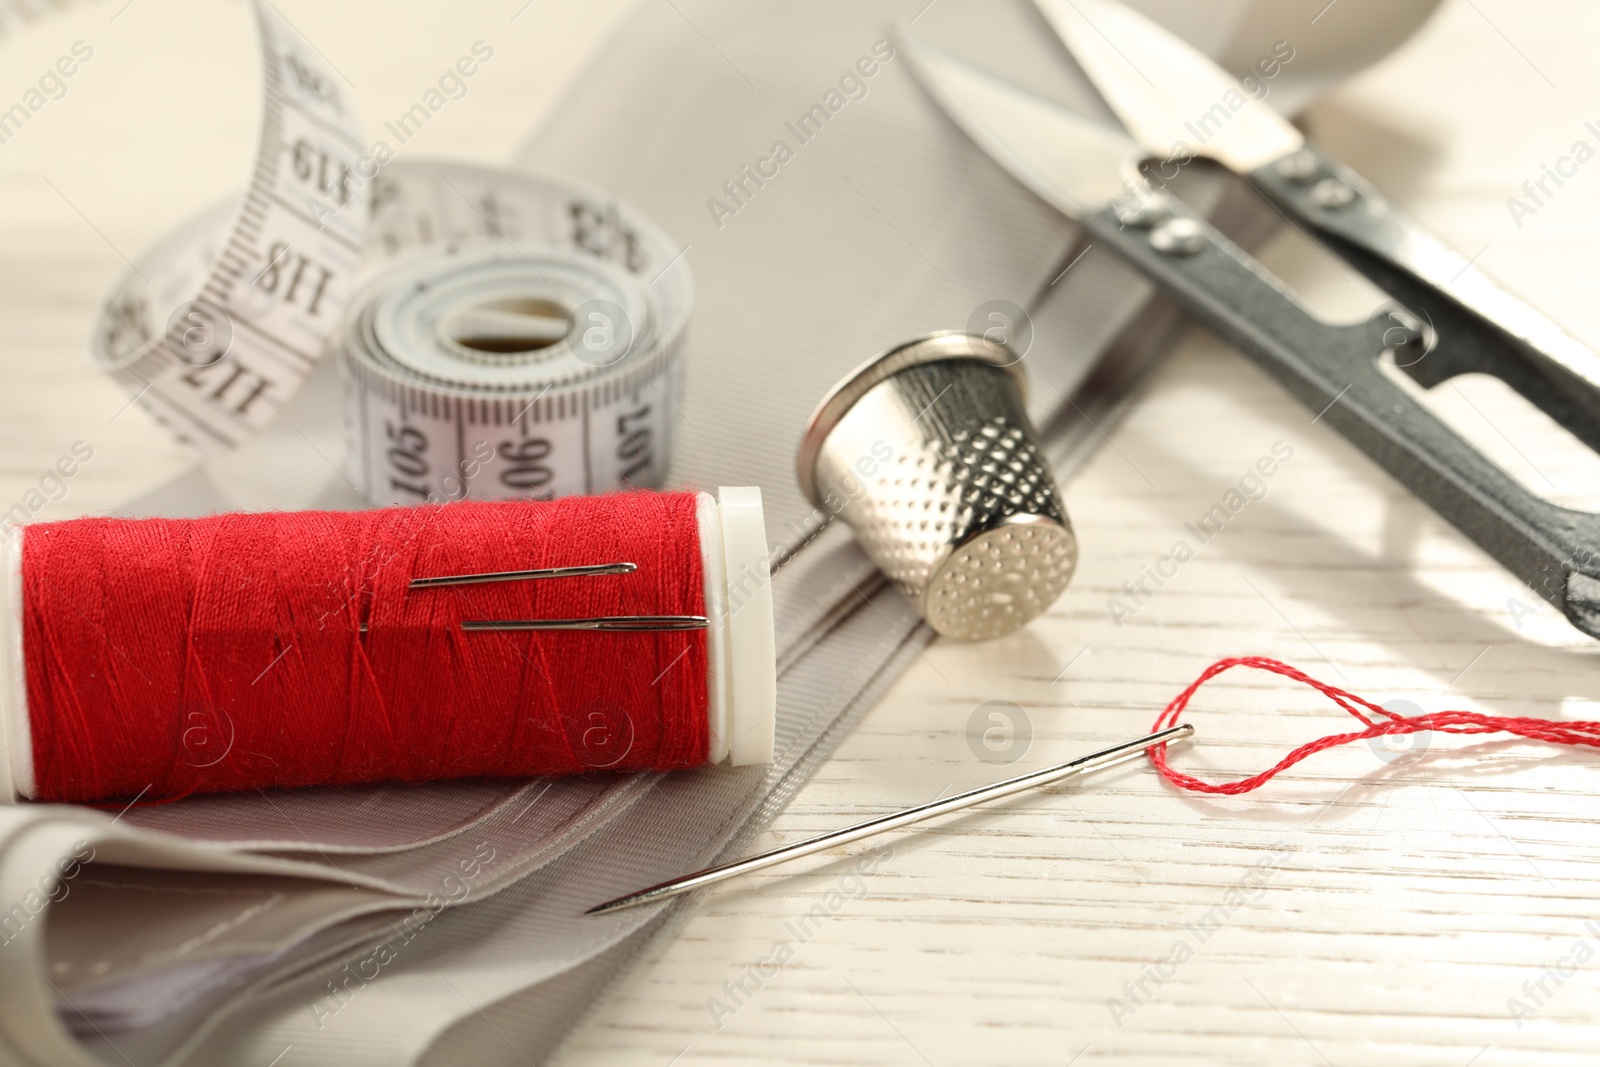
x: 589, y: 429
x: 236, y: 349
x: 641, y: 461
x: 259, y: 288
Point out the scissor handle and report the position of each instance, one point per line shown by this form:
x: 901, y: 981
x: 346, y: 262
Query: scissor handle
x: 1479, y: 325
x: 1333, y: 370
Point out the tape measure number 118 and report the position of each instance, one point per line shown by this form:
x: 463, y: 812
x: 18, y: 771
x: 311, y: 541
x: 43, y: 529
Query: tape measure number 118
x: 509, y: 335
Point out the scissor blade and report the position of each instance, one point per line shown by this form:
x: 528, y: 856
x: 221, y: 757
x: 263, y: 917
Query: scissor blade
x: 1173, y: 99
x: 1072, y: 163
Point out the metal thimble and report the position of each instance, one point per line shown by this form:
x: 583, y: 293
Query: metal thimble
x: 927, y: 453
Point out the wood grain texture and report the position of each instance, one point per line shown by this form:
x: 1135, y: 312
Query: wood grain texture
x: 1361, y: 910
x: 1358, y: 911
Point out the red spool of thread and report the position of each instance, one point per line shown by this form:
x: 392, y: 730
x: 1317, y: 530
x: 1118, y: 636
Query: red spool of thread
x: 166, y: 657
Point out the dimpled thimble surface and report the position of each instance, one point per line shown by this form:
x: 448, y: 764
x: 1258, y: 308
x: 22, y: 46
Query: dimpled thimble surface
x: 927, y: 453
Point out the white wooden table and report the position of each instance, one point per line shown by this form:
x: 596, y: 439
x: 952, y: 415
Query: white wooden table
x: 1362, y: 910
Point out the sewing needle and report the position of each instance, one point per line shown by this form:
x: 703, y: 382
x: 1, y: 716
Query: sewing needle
x: 624, y: 623
x: 1082, y: 765
x: 587, y: 570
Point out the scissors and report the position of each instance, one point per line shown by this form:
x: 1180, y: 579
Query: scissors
x: 1451, y: 318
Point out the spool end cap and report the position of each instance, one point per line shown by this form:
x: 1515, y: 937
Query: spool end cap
x: 752, y: 640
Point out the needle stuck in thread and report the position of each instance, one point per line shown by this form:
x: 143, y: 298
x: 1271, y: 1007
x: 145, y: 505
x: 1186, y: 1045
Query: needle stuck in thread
x: 1095, y: 761
x: 617, y: 623
x: 584, y: 571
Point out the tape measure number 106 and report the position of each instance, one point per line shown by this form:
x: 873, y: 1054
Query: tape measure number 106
x: 537, y: 351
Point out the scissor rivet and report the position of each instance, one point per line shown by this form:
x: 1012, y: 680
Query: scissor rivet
x: 1178, y: 237
x: 1332, y: 193
x: 1145, y: 216
x: 1300, y: 167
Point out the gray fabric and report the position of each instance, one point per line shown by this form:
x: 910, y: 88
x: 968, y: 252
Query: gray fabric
x: 888, y: 224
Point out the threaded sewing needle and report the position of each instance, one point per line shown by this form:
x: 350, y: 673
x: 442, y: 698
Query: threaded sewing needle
x: 1082, y: 765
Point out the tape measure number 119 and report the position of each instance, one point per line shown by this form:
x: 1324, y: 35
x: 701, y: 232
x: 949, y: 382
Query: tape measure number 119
x: 510, y: 335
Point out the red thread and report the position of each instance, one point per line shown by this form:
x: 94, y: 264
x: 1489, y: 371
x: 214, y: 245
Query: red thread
x: 177, y: 656
x: 1378, y: 723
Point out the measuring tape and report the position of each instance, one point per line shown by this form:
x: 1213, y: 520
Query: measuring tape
x: 216, y: 363
x: 538, y: 352
x: 507, y: 335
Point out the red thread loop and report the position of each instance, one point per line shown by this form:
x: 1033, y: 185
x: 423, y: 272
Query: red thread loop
x: 1377, y: 721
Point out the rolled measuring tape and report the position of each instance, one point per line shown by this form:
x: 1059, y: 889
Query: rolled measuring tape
x: 494, y: 367
x: 500, y: 334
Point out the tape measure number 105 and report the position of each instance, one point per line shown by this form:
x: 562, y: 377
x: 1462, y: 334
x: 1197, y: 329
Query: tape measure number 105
x: 536, y: 352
